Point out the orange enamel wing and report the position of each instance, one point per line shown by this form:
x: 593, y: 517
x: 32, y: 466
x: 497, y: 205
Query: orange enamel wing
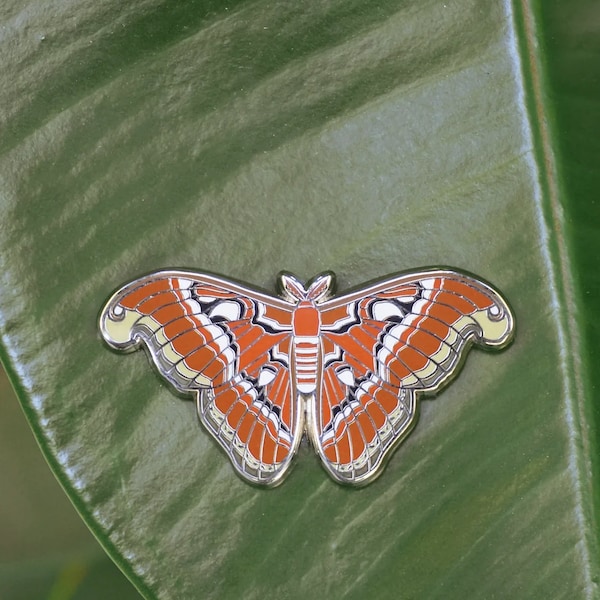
x: 386, y: 344
x: 347, y: 371
x: 229, y: 346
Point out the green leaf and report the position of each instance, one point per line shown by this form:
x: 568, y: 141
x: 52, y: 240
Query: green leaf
x: 45, y: 549
x: 83, y: 578
x: 361, y: 137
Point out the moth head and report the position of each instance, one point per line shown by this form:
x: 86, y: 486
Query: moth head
x: 318, y: 289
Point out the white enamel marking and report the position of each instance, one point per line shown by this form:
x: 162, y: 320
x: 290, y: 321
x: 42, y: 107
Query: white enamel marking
x: 307, y: 339
x: 384, y: 310
x: 228, y: 310
x: 184, y: 284
x: 305, y: 351
x: 494, y: 310
x: 306, y: 388
x: 266, y: 376
x: 391, y: 338
x: 429, y: 286
x: 382, y: 369
x: 421, y: 307
x: 306, y: 360
x: 346, y: 376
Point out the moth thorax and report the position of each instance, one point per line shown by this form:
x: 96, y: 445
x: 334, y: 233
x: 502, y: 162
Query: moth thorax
x: 306, y: 325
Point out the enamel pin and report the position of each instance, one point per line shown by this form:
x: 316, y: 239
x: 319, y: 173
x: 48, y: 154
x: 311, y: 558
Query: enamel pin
x: 346, y: 370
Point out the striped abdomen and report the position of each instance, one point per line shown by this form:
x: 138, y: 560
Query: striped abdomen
x: 306, y: 325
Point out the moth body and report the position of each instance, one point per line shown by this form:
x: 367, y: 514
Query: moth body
x: 306, y: 325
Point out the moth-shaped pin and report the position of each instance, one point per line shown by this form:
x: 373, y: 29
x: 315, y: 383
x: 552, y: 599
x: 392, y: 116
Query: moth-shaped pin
x: 347, y: 370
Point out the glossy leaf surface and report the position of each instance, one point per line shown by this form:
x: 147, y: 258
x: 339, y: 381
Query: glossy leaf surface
x: 363, y: 138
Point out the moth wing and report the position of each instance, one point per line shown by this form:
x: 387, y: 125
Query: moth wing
x: 227, y: 344
x: 383, y: 346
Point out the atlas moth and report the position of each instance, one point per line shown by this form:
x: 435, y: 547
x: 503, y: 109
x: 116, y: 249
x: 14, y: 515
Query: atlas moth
x: 345, y: 371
